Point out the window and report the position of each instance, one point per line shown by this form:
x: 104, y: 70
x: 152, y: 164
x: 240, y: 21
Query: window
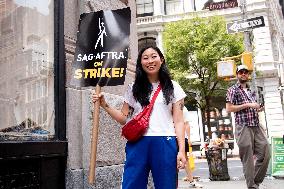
x: 174, y: 6
x: 144, y: 8
x: 27, y: 87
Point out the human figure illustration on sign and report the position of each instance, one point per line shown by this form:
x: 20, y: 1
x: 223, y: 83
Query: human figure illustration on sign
x: 101, y: 33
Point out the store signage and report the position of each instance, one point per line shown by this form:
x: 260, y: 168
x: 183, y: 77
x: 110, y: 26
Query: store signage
x: 277, y: 156
x: 243, y: 25
x: 102, y: 48
x: 221, y: 5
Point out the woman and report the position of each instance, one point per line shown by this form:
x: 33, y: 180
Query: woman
x: 156, y: 151
x: 189, y: 177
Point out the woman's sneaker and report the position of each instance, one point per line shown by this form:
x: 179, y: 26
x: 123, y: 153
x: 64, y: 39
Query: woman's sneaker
x: 195, y: 185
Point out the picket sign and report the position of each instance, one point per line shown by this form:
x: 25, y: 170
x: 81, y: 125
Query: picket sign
x: 94, y: 142
x: 101, y: 59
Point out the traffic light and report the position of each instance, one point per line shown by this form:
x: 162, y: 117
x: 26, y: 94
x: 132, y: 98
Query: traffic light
x: 247, y: 60
x: 226, y: 69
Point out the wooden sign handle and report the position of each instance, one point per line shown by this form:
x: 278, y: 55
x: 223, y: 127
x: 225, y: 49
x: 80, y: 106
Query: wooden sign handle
x: 93, y: 158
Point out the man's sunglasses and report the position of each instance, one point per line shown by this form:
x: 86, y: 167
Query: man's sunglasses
x: 243, y: 72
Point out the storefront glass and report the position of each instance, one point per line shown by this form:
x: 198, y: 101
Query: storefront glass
x: 26, y: 70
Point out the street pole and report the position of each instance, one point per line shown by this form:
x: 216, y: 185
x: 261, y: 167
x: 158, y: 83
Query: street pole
x: 248, y: 46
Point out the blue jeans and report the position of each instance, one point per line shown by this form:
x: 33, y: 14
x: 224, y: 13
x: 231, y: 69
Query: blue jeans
x: 157, y: 154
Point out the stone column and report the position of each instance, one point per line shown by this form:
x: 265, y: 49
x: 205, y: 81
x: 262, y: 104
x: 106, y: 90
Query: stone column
x: 110, y: 148
x: 159, y: 39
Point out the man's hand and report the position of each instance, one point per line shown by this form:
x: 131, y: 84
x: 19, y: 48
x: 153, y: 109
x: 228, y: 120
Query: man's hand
x: 253, y: 105
x: 181, y: 160
x: 261, y: 109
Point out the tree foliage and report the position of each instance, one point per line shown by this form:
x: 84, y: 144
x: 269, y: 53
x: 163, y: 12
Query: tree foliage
x: 193, y: 48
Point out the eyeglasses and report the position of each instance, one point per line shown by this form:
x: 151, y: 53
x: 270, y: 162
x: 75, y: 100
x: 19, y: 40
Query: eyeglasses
x: 243, y: 72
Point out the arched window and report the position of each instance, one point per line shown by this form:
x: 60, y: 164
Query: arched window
x: 148, y: 41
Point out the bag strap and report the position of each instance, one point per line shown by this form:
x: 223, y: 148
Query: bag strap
x: 150, y: 106
x: 155, y: 95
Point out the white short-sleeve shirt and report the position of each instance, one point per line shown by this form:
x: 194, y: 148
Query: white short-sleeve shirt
x: 161, y: 120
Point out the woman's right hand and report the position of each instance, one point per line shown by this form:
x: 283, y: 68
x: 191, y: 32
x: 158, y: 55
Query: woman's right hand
x: 118, y: 115
x: 100, y: 97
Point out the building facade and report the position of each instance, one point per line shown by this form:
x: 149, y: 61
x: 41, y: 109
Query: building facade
x: 267, y: 41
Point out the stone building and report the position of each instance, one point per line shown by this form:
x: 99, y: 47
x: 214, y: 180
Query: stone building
x: 267, y: 42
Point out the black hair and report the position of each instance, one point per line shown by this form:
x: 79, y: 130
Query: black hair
x: 142, y: 87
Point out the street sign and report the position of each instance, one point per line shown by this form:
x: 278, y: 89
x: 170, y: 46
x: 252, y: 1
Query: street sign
x: 220, y: 5
x: 243, y: 25
x: 277, y: 156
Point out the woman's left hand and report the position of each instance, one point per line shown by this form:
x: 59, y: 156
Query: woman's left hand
x: 181, y: 160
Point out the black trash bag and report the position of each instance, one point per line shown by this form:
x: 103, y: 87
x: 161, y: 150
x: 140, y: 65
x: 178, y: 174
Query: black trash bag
x: 217, y: 163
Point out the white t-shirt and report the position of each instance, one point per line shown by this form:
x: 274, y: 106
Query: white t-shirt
x: 248, y: 93
x: 161, y: 120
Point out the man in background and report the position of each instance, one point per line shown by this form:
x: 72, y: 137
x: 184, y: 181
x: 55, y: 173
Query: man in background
x: 249, y: 135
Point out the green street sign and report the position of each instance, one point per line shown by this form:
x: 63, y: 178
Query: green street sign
x: 277, y: 156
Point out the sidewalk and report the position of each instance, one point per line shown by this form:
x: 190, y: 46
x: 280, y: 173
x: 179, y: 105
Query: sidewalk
x: 268, y: 183
x: 235, y: 182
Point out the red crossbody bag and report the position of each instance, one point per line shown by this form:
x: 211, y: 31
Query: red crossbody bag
x: 137, y: 126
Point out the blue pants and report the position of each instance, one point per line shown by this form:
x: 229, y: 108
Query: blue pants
x: 155, y: 153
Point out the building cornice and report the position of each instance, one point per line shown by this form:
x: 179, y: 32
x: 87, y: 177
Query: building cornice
x: 150, y: 22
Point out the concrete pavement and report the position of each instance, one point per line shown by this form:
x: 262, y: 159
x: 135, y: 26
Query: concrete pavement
x: 235, y: 171
x: 269, y: 183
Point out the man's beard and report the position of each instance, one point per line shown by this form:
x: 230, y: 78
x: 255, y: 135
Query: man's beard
x: 242, y: 81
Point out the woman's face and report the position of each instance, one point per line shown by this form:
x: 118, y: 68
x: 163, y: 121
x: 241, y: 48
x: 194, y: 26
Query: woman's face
x: 151, y: 61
